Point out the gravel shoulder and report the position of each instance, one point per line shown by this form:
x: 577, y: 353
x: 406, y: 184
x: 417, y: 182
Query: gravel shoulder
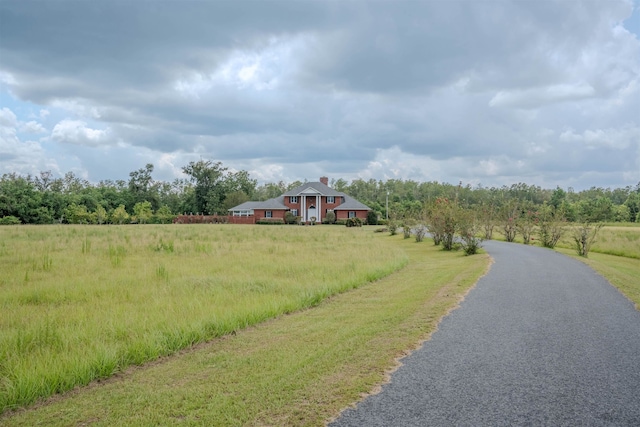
x: 541, y: 340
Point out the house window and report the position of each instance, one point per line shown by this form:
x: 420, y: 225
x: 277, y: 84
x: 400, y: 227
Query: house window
x: 243, y: 213
x: 293, y: 199
x: 331, y: 199
x: 267, y: 214
x: 352, y: 214
x: 294, y: 212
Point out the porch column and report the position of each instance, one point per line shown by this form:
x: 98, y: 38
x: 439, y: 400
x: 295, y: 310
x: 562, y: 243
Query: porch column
x: 303, y: 206
x: 318, y: 207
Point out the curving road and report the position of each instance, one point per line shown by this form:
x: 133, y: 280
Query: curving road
x: 541, y: 340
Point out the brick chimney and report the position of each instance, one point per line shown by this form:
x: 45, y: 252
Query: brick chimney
x: 324, y: 180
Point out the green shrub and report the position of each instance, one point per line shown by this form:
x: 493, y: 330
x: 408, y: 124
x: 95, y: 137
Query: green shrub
x: 290, y: 218
x: 270, y: 221
x: 406, y: 229
x: 372, y: 218
x: 419, y: 231
x: 9, y: 220
x: 469, y: 228
x: 330, y: 217
x: 393, y: 227
x: 584, y: 236
x: 552, y: 226
x: 354, y: 222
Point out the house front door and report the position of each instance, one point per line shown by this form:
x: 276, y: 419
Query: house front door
x: 311, y: 212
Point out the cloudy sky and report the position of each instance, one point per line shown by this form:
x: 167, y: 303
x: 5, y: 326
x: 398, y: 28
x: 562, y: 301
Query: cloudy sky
x: 485, y: 92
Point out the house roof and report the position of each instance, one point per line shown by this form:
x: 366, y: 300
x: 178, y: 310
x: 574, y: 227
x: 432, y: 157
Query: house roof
x: 277, y: 203
x: 316, y: 187
x: 272, y: 204
x: 351, y: 204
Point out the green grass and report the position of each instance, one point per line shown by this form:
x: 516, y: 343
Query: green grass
x: 298, y: 369
x: 79, y: 303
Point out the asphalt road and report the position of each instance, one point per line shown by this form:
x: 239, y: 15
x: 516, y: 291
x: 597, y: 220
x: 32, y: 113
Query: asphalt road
x: 542, y: 340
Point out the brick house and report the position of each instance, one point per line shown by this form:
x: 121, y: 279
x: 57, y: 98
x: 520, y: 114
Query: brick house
x: 309, y: 201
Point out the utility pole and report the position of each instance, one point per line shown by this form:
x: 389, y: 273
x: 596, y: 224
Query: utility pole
x: 387, y: 205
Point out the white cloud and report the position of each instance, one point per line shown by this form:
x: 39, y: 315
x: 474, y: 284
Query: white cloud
x: 7, y: 118
x: 617, y: 139
x: 23, y: 157
x: 77, y: 107
x: 261, y: 69
x: 32, y: 127
x: 77, y: 132
x: 537, y: 97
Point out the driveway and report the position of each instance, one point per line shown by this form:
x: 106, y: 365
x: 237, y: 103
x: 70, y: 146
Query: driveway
x: 541, y: 340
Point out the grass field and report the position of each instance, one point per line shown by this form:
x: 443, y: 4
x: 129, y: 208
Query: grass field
x: 299, y: 369
x: 83, y: 302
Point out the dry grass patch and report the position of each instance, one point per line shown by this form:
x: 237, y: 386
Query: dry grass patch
x: 299, y: 369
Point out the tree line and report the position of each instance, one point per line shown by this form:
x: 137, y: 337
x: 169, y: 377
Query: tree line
x: 211, y: 189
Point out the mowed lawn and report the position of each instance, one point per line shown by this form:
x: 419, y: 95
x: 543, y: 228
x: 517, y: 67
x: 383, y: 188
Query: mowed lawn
x: 80, y: 303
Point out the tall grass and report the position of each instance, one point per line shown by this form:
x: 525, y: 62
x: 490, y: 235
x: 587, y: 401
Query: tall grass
x: 83, y: 302
x: 299, y: 370
x: 620, y: 241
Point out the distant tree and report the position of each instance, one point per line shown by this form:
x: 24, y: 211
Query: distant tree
x: 339, y: 185
x: 633, y: 204
x: 142, y: 211
x: 142, y: 186
x: 101, y: 214
x: 209, y: 188
x: 164, y: 215
x: 372, y: 218
x: 77, y: 214
x: 270, y: 190
x: 240, y: 182
x: 119, y: 215
x: 234, y: 199
x: 557, y: 197
x: 19, y: 198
